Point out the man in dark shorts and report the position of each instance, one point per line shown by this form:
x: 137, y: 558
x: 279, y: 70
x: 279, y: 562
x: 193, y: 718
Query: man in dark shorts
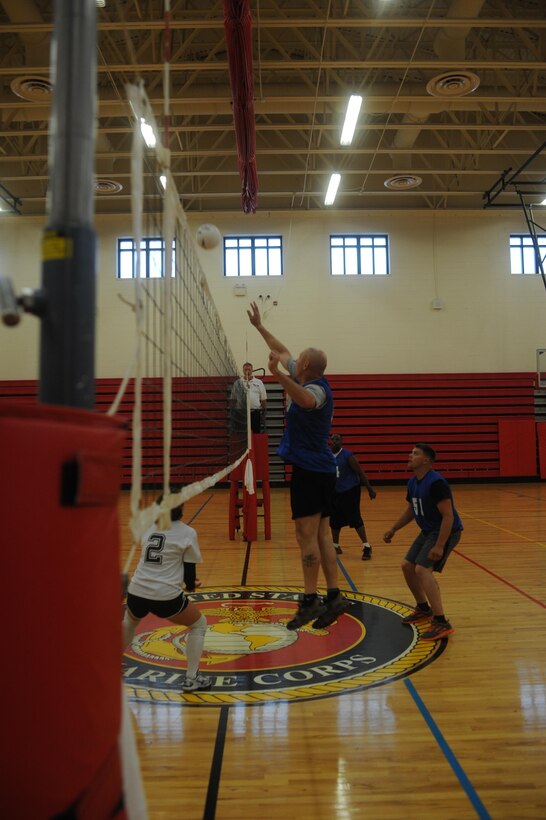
x: 305, y: 446
x: 430, y: 504
x: 346, y: 509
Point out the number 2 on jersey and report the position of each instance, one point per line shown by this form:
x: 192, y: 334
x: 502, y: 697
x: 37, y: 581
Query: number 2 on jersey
x: 155, y: 544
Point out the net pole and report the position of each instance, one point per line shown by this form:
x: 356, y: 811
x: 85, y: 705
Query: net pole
x: 137, y: 167
x: 168, y: 237
x: 67, y: 344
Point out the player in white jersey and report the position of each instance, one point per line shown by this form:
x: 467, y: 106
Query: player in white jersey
x: 156, y: 587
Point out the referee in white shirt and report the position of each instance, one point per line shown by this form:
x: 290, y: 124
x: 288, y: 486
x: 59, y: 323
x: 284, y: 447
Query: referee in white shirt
x: 258, y: 397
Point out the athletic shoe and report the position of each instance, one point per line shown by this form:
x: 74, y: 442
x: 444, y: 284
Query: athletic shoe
x: 333, y: 609
x: 339, y: 551
x: 306, y: 614
x: 198, y: 682
x: 437, y: 630
x: 366, y: 553
x: 418, y: 615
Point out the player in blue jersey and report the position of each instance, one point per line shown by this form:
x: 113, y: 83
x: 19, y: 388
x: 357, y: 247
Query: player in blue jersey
x: 430, y: 505
x: 304, y: 445
x: 346, y: 507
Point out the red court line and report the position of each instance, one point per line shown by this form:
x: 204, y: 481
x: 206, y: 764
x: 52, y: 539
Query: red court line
x: 502, y: 580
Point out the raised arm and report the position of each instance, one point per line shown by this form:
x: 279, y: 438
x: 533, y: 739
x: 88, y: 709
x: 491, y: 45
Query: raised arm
x: 305, y: 398
x: 270, y: 340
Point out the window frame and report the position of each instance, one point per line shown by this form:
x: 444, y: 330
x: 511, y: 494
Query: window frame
x: 231, y: 250
x: 148, y: 254
x: 359, y: 246
x: 512, y: 249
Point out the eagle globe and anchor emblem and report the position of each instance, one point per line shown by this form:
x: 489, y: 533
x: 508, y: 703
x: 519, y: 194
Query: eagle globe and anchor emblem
x: 253, y: 659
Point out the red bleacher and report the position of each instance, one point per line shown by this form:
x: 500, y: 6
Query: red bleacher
x: 380, y: 418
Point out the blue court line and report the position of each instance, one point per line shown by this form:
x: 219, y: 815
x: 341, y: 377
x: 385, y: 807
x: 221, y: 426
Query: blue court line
x: 471, y: 793
x: 347, y: 576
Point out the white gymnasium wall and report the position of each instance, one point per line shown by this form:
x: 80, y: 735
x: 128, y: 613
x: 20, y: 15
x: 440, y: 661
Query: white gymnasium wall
x: 492, y: 321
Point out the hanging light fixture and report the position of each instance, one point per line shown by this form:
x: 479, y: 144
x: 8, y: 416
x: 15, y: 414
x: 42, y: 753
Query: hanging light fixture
x: 351, y: 119
x: 331, y: 193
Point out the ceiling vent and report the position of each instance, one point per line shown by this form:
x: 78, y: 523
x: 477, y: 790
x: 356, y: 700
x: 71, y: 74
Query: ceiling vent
x: 107, y: 186
x: 33, y: 89
x: 402, y: 182
x: 453, y: 84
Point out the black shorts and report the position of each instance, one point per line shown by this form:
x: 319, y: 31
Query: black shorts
x: 311, y: 493
x: 346, y: 509
x: 140, y: 607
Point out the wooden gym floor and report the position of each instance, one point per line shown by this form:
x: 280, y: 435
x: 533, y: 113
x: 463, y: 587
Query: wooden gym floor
x: 461, y: 735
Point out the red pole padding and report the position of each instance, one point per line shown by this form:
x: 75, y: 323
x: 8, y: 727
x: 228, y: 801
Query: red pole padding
x: 59, y: 486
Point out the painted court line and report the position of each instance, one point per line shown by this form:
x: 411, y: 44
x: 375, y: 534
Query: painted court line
x: 503, y: 529
x: 347, y: 576
x: 471, y: 793
x: 216, y: 766
x: 469, y: 789
x: 499, y: 578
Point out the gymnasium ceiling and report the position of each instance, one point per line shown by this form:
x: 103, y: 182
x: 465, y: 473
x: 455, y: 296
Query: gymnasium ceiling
x: 454, y: 94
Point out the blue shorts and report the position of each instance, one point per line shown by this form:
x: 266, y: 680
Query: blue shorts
x: 419, y: 550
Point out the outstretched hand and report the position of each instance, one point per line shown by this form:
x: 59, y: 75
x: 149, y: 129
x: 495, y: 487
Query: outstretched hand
x: 254, y: 315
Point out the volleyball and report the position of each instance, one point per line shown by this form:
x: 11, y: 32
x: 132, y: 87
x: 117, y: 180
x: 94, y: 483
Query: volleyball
x: 208, y: 237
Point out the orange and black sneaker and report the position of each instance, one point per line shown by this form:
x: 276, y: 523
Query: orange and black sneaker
x: 437, y: 630
x: 418, y: 614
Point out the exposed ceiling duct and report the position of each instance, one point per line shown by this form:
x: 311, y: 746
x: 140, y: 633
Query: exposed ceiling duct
x: 36, y: 44
x: 459, y: 136
x: 37, y: 88
x: 449, y: 44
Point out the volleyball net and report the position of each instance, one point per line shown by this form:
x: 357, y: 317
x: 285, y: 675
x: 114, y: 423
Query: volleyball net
x: 186, y: 434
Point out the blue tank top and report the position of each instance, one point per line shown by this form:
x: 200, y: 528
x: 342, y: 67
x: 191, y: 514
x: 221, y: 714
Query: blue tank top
x: 305, y: 439
x: 346, y: 476
x: 424, y: 495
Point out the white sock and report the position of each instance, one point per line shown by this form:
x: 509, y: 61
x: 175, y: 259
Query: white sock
x: 194, y: 645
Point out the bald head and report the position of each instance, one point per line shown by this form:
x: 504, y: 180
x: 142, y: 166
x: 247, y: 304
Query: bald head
x: 316, y: 361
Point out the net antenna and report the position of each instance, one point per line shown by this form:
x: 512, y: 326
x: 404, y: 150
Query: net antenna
x: 516, y: 190
x: 183, y: 436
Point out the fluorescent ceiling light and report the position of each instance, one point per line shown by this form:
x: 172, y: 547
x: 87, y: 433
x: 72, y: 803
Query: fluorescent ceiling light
x: 147, y: 133
x: 543, y: 202
x: 351, y: 118
x: 335, y: 179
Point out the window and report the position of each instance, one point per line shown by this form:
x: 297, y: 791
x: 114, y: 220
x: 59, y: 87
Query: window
x: 359, y: 255
x: 253, y: 256
x: 152, y: 258
x: 522, y: 253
